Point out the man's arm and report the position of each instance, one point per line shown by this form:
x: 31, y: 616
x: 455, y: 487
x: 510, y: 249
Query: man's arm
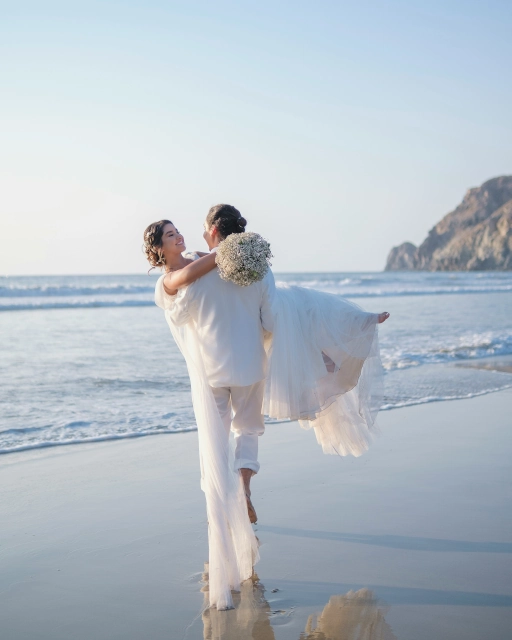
x: 268, y: 302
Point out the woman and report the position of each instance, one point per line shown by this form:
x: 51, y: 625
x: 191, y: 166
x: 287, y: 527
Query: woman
x: 323, y: 370
x: 164, y: 247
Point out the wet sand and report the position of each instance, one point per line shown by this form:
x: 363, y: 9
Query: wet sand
x: 495, y: 363
x: 411, y: 541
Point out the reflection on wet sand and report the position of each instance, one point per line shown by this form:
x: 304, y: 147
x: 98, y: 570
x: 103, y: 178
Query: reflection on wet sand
x: 249, y: 618
x: 357, y: 615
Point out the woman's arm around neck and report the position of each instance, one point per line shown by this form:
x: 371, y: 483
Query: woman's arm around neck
x: 175, y: 280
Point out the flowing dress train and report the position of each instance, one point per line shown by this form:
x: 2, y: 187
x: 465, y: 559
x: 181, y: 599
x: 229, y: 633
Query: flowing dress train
x: 324, y: 368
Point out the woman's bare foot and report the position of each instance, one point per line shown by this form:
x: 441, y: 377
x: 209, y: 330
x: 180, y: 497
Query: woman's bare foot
x: 383, y: 317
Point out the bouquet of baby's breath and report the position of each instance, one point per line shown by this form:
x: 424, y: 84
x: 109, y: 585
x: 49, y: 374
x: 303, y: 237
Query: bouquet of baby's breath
x: 243, y: 258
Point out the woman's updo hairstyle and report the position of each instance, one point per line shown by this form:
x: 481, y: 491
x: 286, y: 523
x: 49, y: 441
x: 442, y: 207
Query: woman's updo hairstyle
x: 153, y: 243
x: 226, y: 219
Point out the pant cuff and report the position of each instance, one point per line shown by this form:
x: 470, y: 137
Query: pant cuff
x: 247, y: 464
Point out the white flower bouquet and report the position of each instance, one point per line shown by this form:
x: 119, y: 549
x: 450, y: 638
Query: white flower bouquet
x: 243, y: 258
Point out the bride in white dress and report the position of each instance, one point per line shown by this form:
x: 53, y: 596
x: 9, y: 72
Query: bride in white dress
x: 324, y: 370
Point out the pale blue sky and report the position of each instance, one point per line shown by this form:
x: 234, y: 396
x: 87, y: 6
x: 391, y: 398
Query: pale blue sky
x: 338, y: 129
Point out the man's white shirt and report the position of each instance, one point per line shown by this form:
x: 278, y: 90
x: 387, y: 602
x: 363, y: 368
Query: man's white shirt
x: 230, y: 322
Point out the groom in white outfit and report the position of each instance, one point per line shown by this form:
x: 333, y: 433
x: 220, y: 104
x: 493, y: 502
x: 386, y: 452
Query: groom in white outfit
x: 230, y: 322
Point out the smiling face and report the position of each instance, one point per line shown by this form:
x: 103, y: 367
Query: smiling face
x: 173, y: 243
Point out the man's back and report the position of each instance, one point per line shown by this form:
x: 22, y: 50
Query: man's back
x: 230, y: 321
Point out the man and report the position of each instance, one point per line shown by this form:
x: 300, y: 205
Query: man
x: 230, y: 322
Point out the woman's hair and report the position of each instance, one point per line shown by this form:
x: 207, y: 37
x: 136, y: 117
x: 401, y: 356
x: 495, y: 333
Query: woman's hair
x: 153, y: 243
x: 226, y: 219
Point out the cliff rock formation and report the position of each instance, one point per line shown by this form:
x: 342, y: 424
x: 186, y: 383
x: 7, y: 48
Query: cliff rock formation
x: 476, y: 236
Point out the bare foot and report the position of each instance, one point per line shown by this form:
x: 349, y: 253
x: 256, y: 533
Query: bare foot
x: 383, y: 317
x: 247, y: 474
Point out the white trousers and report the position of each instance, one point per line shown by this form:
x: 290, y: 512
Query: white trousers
x: 241, y: 411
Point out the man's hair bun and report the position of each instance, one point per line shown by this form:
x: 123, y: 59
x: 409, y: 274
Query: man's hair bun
x: 226, y: 219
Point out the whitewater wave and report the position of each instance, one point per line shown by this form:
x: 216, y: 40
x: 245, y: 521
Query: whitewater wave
x: 50, y: 290
x: 125, y: 435
x: 58, y: 389
x: 447, y: 350
x: 24, y: 293
x: 441, y: 398
x: 93, y: 438
x: 31, y: 303
x: 74, y: 304
x: 382, y: 292
x: 57, y: 439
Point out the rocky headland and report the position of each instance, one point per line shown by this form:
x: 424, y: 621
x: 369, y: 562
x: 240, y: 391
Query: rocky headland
x: 476, y: 236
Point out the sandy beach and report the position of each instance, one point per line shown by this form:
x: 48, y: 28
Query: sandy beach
x: 411, y: 541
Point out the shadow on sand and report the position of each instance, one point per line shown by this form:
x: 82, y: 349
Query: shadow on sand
x: 397, y: 542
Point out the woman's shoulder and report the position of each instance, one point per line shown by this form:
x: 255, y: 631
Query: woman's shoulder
x: 162, y: 298
x: 194, y: 255
x: 166, y: 300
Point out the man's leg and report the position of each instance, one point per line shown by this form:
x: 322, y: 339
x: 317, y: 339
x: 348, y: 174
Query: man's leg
x: 222, y: 397
x: 247, y: 425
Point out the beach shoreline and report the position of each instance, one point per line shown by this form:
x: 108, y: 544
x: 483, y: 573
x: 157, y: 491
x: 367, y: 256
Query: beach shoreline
x: 494, y: 363
x: 127, y: 378
x: 109, y: 540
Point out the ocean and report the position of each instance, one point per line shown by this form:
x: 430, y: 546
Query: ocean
x: 90, y: 358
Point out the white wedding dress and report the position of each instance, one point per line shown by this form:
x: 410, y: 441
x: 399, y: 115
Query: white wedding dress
x: 323, y: 369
